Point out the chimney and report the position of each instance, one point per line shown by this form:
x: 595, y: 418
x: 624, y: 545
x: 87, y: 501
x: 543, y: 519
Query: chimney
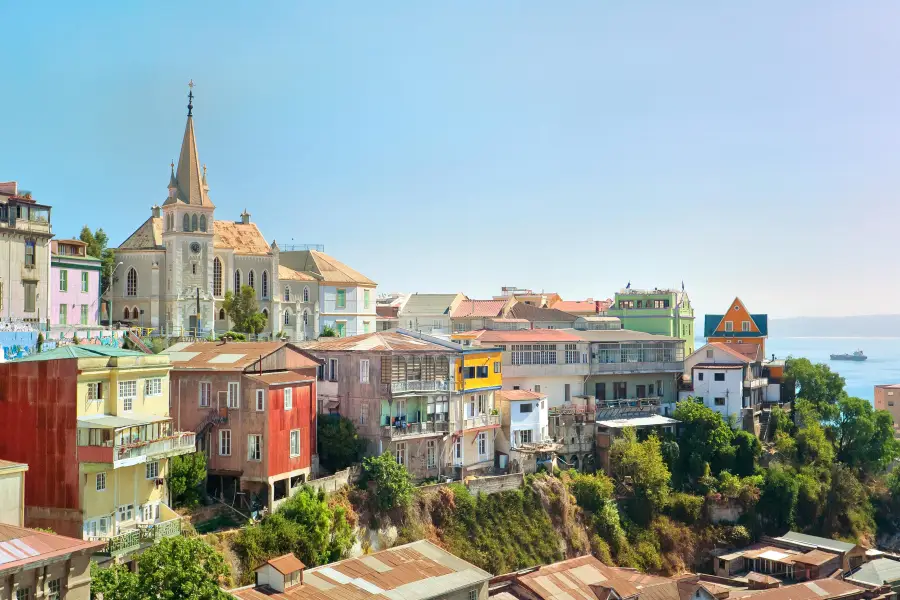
x: 154, y: 210
x: 245, y: 217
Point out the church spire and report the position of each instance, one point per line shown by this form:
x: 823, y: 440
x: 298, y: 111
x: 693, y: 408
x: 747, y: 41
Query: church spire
x: 188, y: 177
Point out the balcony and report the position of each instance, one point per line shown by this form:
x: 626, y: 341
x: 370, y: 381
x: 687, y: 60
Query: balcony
x: 140, y: 452
x: 437, y: 385
x: 407, y: 430
x: 551, y: 370
x: 142, y: 536
x: 479, y: 421
x: 624, y: 368
x: 756, y: 383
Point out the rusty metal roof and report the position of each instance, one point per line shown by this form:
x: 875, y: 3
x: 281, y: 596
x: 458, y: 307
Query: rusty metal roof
x: 286, y: 564
x: 820, y: 589
x: 584, y: 577
x: 292, y: 275
x: 20, y: 547
x: 479, y: 308
x: 280, y: 378
x: 418, y: 570
x: 515, y: 395
x: 233, y: 356
x: 379, y: 341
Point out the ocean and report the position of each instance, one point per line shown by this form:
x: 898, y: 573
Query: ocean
x: 883, y: 365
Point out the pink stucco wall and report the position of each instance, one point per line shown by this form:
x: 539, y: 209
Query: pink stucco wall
x: 73, y: 298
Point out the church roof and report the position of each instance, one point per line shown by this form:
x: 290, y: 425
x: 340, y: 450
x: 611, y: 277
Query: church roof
x: 146, y: 237
x: 189, y: 177
x: 243, y: 238
x: 286, y: 273
x: 331, y: 270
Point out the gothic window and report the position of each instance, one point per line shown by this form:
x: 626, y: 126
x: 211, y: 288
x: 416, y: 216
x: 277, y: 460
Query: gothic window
x: 287, y: 317
x: 287, y: 293
x: 221, y: 314
x: 237, y: 281
x: 131, y: 283
x: 186, y: 223
x: 217, y: 277
x: 305, y: 317
x: 265, y: 284
x: 135, y: 313
x: 265, y: 311
x: 251, y: 280
x: 202, y: 222
x: 306, y: 294
x: 193, y: 222
x: 126, y: 314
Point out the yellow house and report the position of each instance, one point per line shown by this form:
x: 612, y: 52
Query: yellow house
x: 106, y: 476
x: 478, y: 376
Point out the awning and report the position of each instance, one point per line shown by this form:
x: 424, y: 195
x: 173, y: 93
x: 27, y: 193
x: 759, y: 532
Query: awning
x: 115, y: 422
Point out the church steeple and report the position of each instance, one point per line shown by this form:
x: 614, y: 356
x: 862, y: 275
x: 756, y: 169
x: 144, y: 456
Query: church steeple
x: 188, y: 178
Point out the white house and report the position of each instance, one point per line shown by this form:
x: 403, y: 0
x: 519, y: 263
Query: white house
x: 725, y: 380
x: 524, y: 426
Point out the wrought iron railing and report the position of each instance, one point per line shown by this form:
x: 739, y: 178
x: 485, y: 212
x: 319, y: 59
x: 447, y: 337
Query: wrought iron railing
x: 181, y: 441
x: 436, y: 385
x: 133, y: 539
x: 408, y: 429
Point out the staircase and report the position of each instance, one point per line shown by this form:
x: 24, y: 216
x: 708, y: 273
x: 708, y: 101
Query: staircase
x: 215, y: 417
x: 764, y: 421
x: 138, y: 342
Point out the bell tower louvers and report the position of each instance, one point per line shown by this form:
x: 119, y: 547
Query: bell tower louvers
x: 188, y: 224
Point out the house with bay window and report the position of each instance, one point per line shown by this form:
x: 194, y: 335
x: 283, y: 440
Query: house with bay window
x: 427, y: 401
x: 252, y: 407
x: 94, y: 426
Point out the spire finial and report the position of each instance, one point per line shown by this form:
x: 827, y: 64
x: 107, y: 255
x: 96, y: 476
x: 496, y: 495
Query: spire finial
x: 191, y: 98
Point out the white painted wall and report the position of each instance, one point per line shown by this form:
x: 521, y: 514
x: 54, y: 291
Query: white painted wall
x: 553, y: 387
x: 11, y: 498
x: 536, y: 420
x: 355, y: 312
x: 706, y: 387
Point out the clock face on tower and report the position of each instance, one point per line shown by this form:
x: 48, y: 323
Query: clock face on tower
x: 195, y: 247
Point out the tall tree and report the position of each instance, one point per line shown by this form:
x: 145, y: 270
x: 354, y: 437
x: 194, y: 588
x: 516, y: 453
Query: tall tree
x: 339, y: 444
x: 864, y: 437
x: 392, y: 485
x: 816, y: 383
x: 186, y: 478
x: 705, y: 438
x: 243, y: 310
x: 97, y: 247
x: 641, y: 465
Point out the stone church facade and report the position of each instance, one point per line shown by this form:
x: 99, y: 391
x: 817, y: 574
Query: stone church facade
x: 173, y: 272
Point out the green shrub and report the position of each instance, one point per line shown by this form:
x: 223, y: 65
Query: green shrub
x: 591, y: 491
x: 234, y: 335
x: 687, y: 508
x: 339, y: 444
x: 392, y: 486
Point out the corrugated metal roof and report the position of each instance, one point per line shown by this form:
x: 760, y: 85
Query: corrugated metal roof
x: 73, y: 351
x: 535, y: 314
x: 280, y: 378
x: 816, y: 542
x: 379, y: 341
x: 521, y: 335
x: 233, y: 356
x: 20, y: 547
x: 880, y: 571
x: 621, y: 335
x: 516, y: 395
x: 428, y: 304
x: 821, y: 589
x: 114, y: 421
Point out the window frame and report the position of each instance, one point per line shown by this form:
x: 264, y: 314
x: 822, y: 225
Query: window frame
x: 224, y: 440
x: 364, y: 370
x: 295, y: 433
x: 260, y: 400
x: 149, y: 384
x: 127, y: 400
x: 719, y: 376
x: 233, y: 401
x: 340, y: 298
x: 151, y: 469
x: 98, y: 480
x: 254, y: 447
x: 64, y: 280
x: 288, y: 398
x: 85, y: 314
x: 200, y: 396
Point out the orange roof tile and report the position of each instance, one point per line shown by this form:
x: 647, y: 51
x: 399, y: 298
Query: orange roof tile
x: 243, y: 238
x: 286, y: 564
x: 292, y: 275
x: 517, y: 395
x: 478, y: 308
x: 728, y: 348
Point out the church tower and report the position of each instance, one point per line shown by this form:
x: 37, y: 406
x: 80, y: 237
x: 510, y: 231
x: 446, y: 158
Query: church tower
x: 188, y: 225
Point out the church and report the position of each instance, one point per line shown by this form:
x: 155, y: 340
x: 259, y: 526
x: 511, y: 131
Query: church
x: 173, y: 272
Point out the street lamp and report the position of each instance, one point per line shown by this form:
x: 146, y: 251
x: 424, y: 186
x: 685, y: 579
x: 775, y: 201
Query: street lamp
x: 109, y: 289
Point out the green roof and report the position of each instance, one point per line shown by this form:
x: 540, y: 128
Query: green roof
x: 64, y: 352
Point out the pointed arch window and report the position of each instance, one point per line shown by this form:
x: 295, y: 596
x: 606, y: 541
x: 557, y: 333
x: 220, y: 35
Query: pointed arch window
x: 202, y: 222
x: 131, y: 282
x: 126, y: 314
x: 287, y: 293
x: 221, y: 314
x: 186, y: 223
x: 265, y: 284
x: 306, y: 294
x: 305, y: 317
x: 193, y: 222
x: 135, y: 313
x: 237, y: 281
x: 287, y: 317
x: 251, y: 279
x: 217, y: 277
x: 265, y: 311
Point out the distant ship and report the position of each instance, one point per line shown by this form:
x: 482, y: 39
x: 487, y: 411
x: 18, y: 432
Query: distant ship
x: 858, y: 355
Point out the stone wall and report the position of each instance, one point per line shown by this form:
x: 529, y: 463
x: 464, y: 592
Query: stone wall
x: 725, y: 513
x: 498, y: 483
x: 333, y: 483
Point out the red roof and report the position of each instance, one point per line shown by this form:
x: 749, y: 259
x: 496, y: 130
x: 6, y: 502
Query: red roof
x: 730, y: 350
x: 525, y: 335
x: 286, y: 564
x: 21, y: 547
x: 479, y: 308
x: 516, y: 395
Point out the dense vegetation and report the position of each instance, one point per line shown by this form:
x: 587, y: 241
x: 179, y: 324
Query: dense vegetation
x: 339, y: 444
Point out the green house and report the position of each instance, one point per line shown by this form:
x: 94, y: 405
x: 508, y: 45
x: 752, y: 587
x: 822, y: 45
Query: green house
x: 663, y: 312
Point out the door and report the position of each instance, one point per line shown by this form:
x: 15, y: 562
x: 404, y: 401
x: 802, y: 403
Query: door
x: 641, y: 391
x: 401, y: 409
x: 600, y: 391
x: 193, y: 324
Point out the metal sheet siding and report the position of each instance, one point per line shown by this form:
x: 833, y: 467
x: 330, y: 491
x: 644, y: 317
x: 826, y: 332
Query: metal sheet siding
x: 38, y: 427
x: 301, y: 416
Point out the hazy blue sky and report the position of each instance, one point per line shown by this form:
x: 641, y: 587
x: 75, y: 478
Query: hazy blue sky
x: 747, y: 148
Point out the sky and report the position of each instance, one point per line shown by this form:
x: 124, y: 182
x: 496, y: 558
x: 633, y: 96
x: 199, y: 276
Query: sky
x: 745, y: 149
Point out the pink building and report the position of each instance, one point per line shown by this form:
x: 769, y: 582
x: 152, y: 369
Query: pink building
x: 74, y: 285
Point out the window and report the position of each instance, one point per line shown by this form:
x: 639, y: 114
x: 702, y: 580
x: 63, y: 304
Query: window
x: 366, y: 298
x: 430, y: 454
x: 84, y: 314
x: 265, y: 284
x: 700, y: 376
x: 131, y: 282
x: 537, y: 388
x: 482, y: 404
x: 526, y: 407
x: 101, y: 482
x: 729, y: 325
x: 306, y: 294
x: 64, y: 280
x: 29, y: 254
x: 720, y: 401
x: 468, y: 372
x: 205, y: 392
x: 710, y: 353
x: 295, y: 443
x: 482, y: 444
x: 237, y: 281
x: 254, y: 447
x: 202, y: 222
x: 496, y: 366
x: 193, y: 268
x: 234, y: 394
x: 523, y: 436
x: 400, y: 453
x: 221, y: 314
x: 364, y: 371
x: 287, y: 317
x: 63, y: 313
x: 288, y: 398
x: 363, y: 414
x: 186, y: 223
x: 286, y: 294
x: 341, y: 300
x: 745, y: 325
x: 152, y: 469
x: 23, y: 593
x: 53, y: 589
x: 224, y: 442
x: 568, y: 392
x: 260, y: 400
x: 367, y: 326
x: 94, y: 391
x: 127, y: 392
x: 481, y: 372
x: 30, y: 295
x: 457, y: 451
x: 571, y: 354
x: 193, y: 222
x: 341, y: 328
x: 305, y: 317
x: 153, y: 387
x: 718, y: 376
x: 217, y: 277
x: 251, y: 279
x: 332, y: 369
x: 534, y: 354
x: 126, y: 512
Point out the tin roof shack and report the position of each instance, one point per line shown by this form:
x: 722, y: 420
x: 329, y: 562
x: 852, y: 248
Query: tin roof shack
x: 822, y: 589
x: 785, y: 564
x: 852, y: 555
x: 37, y: 564
x: 608, y: 430
x: 419, y: 571
x: 876, y: 574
